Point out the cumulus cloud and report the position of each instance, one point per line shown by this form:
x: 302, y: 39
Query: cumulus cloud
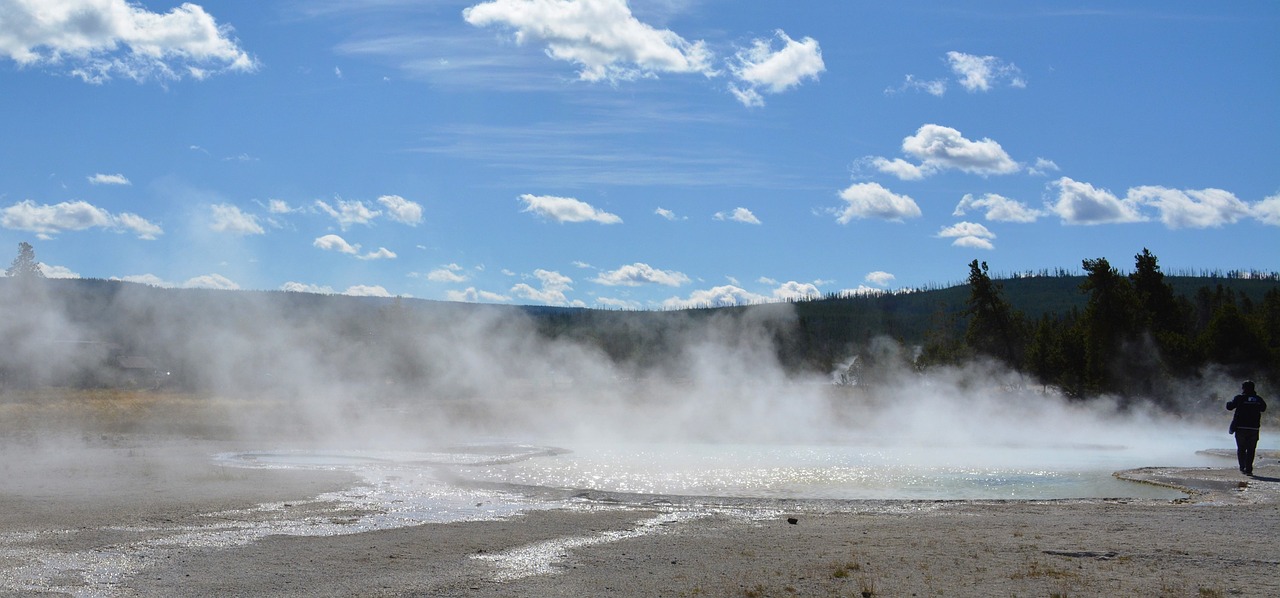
x: 550, y: 290
x: 108, y: 179
x: 742, y: 215
x: 998, y: 208
x: 49, y: 220
x: 879, y: 278
x: 968, y: 234
x: 795, y: 291
x: 335, y: 243
x: 721, y: 296
x: 566, y: 209
x: 980, y: 73
x: 348, y: 213
x: 381, y: 254
x: 361, y: 290
x: 639, y: 274
x: 1205, y: 208
x: 211, y: 281
x: 1082, y: 203
x: 54, y: 271
x: 402, y: 210
x: 228, y: 218
x: 763, y: 68
x: 870, y: 200
x: 299, y: 287
x: 939, y: 148
x: 98, y: 40
x: 472, y: 295
x: 601, y: 37
x: 450, y: 273
x: 1267, y: 211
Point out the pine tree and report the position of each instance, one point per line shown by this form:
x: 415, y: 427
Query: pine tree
x: 25, y: 265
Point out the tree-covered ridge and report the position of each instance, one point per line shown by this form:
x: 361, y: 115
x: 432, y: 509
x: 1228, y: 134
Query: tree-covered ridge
x: 1104, y: 331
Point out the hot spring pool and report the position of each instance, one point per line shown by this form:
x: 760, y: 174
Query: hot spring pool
x: 868, y: 472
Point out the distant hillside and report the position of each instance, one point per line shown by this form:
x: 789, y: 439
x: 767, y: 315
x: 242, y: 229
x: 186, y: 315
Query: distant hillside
x: 207, y: 337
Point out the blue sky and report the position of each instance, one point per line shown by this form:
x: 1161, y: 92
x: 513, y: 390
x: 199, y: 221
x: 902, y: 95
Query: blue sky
x: 641, y: 155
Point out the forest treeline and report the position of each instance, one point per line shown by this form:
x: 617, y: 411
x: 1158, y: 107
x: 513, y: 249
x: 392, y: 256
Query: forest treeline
x: 1139, y: 334
x: 1097, y: 332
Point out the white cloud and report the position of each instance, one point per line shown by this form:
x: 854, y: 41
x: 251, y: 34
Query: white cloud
x: 550, y: 290
x: 870, y: 200
x: 1082, y: 203
x: 48, y: 220
x: 402, y: 210
x: 668, y: 214
x: 211, y: 281
x: 980, y: 73
x: 998, y: 208
x: 900, y: 168
x: 335, y: 243
x: 968, y: 234
x: 760, y: 67
x: 381, y: 254
x: 472, y: 295
x: 109, y: 179
x: 299, y: 287
x: 879, y: 278
x: 98, y: 40
x: 348, y: 212
x: 566, y: 209
x: 1267, y: 211
x: 742, y: 215
x: 612, y: 303
x: 54, y: 271
x: 935, y: 87
x: 279, y: 206
x: 940, y: 148
x: 1205, y: 208
x: 143, y: 228
x: 1043, y: 167
x: 228, y: 218
x: 796, y: 291
x: 450, y: 273
x: 602, y: 37
x: 147, y: 279
x: 361, y: 290
x: 721, y: 296
x: 638, y: 274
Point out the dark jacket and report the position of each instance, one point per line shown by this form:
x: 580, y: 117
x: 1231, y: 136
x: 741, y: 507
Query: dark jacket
x: 1248, y: 410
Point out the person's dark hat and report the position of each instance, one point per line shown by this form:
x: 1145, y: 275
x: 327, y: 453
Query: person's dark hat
x: 1247, y: 386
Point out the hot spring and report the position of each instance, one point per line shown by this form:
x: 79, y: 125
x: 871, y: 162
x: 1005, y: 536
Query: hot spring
x: 630, y: 471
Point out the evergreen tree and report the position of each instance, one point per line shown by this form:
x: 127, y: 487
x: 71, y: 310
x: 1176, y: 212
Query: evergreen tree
x: 25, y: 265
x: 1110, y: 320
x: 994, y: 328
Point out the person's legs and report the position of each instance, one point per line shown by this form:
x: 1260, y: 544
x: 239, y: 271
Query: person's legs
x: 1246, y: 444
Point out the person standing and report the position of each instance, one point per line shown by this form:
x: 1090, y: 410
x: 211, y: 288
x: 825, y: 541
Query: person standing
x: 1245, y: 424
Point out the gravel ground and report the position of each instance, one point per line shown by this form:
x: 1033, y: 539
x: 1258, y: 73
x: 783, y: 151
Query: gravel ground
x: 138, y: 516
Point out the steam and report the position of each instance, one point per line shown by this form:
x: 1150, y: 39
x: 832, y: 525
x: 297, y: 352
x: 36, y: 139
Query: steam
x: 291, y: 369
